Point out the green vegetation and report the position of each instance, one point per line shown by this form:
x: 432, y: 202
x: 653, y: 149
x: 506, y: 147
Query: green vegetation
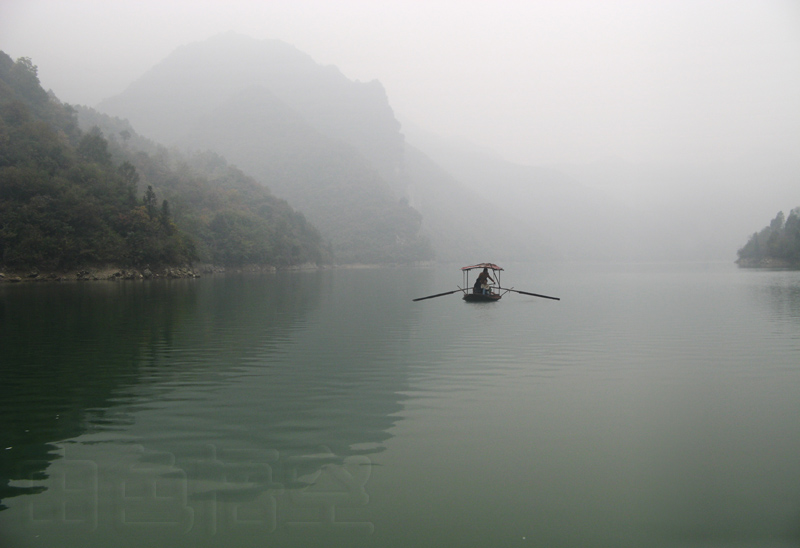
x: 70, y: 198
x: 775, y: 245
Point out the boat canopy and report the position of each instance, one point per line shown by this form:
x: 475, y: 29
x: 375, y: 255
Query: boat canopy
x: 481, y: 265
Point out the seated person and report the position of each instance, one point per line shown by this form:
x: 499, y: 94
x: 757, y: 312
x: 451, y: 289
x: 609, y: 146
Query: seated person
x: 480, y: 280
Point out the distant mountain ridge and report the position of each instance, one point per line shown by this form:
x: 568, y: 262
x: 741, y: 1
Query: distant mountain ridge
x: 330, y: 146
x: 205, y: 74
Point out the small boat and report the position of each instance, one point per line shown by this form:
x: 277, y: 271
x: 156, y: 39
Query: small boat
x: 482, y: 290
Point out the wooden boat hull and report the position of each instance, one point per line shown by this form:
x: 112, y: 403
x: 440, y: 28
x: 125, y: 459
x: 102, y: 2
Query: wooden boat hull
x: 481, y: 298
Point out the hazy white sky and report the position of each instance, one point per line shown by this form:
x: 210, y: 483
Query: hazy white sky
x: 541, y: 81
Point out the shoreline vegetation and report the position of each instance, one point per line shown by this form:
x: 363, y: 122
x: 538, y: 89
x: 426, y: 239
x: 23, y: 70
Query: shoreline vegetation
x: 774, y: 246
x: 114, y: 273
x: 768, y: 263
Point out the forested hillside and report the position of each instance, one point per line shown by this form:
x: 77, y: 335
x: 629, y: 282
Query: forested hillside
x: 328, y: 145
x: 70, y: 198
x: 777, y: 244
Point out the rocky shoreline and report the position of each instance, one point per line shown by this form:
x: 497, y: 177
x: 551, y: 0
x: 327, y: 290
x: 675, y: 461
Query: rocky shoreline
x: 109, y: 273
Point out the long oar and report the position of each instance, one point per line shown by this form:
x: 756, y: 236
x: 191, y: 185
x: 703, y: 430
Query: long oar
x: 531, y: 294
x: 438, y: 295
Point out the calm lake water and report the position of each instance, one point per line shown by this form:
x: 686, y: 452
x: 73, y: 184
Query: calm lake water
x: 654, y: 405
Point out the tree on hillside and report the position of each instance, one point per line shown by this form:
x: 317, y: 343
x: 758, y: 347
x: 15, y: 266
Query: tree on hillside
x: 150, y: 201
x: 94, y: 148
x: 130, y: 180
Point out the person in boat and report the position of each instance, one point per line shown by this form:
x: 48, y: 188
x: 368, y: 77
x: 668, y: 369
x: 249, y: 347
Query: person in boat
x: 480, y: 281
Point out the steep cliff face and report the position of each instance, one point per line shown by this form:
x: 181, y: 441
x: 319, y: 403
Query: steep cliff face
x: 330, y: 146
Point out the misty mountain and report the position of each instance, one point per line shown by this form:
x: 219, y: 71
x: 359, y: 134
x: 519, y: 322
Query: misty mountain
x: 326, y: 179
x: 205, y: 74
x: 71, y: 198
x: 330, y: 146
x: 235, y: 220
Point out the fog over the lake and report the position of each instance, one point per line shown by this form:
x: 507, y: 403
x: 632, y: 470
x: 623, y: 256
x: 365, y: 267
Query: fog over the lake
x: 687, y: 111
